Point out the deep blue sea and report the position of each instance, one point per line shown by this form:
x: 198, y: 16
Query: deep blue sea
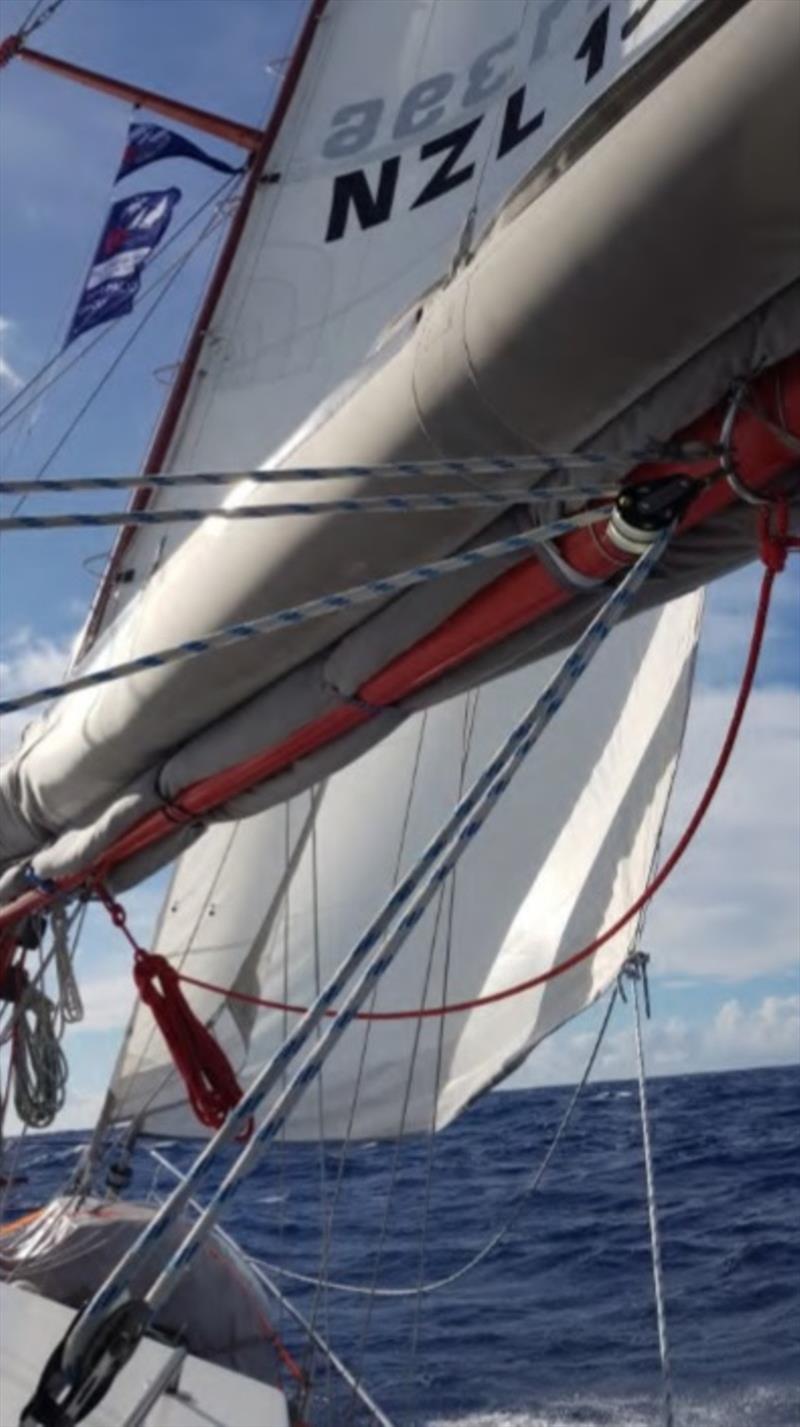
x: 556, y: 1328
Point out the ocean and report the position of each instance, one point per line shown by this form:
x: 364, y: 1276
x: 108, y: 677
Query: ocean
x: 555, y: 1328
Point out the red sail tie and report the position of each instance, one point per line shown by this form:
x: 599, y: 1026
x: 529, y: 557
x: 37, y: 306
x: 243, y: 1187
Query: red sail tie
x: 211, y: 1085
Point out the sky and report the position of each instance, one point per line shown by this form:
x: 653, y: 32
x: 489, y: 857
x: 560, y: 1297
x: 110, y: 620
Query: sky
x: 723, y: 935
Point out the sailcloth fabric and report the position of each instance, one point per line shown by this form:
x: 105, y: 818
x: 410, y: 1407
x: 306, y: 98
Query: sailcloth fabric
x: 573, y: 317
x: 409, y: 122
x: 271, y: 906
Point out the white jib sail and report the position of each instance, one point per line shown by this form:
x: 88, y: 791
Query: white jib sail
x: 270, y: 906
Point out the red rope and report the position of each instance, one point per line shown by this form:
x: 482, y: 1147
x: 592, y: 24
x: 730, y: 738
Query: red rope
x: 211, y: 1084
x: 269, y: 1330
x: 774, y: 544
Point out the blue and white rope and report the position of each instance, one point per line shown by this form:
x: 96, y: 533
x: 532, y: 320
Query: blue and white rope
x: 279, y: 510
x: 377, y: 947
x: 311, y: 609
x: 532, y: 464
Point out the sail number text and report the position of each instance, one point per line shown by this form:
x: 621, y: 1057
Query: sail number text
x: 355, y: 127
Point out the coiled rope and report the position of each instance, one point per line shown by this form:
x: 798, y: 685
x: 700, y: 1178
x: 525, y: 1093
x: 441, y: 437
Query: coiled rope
x: 211, y: 1085
x: 40, y: 1065
x: 70, y: 1002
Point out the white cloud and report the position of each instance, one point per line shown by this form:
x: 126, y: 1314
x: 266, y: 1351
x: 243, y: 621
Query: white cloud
x: 107, y: 1002
x: 9, y: 376
x: 770, y: 1033
x: 28, y: 661
x: 731, y: 909
x: 737, y: 1036
x: 729, y: 620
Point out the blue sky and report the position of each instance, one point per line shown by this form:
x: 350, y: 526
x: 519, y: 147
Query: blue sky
x: 724, y: 935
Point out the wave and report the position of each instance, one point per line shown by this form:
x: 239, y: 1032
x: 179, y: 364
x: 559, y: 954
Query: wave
x: 768, y: 1405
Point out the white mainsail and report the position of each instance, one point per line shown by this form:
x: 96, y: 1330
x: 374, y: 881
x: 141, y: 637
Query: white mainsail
x: 269, y: 907
x: 501, y: 357
x: 409, y: 122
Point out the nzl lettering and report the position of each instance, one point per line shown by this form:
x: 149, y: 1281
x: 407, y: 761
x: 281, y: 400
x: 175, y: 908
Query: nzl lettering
x: 372, y: 204
x: 371, y: 200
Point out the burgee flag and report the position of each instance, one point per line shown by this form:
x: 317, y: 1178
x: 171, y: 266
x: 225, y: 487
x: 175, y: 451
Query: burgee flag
x: 134, y: 227
x: 147, y: 143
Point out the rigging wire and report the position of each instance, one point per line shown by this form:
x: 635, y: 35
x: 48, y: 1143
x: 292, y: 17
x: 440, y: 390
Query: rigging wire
x: 32, y: 22
x: 470, y: 719
x: 323, y: 1173
x: 513, y: 1210
x: 287, y: 849
x: 112, y: 325
x: 441, y: 501
x: 29, y: 26
x: 637, y: 971
x: 396, y: 1155
x: 327, y: 1240
x: 272, y: 1288
x: 316, y: 608
x: 553, y: 464
x: 167, y: 285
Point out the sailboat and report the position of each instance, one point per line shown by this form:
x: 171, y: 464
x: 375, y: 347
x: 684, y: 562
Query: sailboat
x: 497, y: 369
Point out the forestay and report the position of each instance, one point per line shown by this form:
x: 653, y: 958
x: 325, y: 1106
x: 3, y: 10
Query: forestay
x: 269, y: 907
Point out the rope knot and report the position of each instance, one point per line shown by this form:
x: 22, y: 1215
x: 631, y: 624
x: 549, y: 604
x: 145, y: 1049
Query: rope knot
x: 147, y: 966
